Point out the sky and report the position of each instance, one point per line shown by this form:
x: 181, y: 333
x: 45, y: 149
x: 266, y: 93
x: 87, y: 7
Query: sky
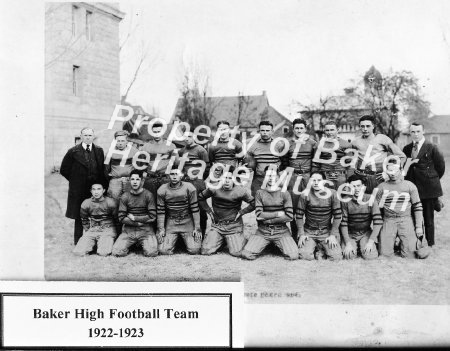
x: 294, y: 50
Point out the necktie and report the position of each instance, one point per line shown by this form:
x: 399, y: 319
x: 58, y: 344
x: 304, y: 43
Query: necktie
x: 88, y: 148
x: 415, y: 149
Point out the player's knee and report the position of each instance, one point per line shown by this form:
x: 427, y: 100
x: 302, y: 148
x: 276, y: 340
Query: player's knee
x: 119, y: 252
x: 305, y: 255
x: 248, y: 255
x: 193, y: 250
x: 80, y: 253
x: 152, y: 253
x: 335, y: 256
x: 291, y: 256
x: 369, y: 256
x: 103, y: 252
x: 236, y: 253
x: 207, y: 252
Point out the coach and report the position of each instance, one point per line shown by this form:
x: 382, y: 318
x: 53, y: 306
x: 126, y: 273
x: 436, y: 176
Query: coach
x: 82, y: 166
x: 425, y: 174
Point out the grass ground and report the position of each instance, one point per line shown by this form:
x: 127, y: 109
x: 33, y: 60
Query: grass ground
x: 269, y: 279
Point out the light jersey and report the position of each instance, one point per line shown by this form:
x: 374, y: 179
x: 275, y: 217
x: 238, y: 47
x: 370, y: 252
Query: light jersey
x: 227, y: 203
x: 300, y: 158
x: 380, y: 148
x: 340, y: 152
x: 317, y: 210
x: 104, y: 209
x: 223, y: 153
x: 358, y: 216
x: 394, y: 194
x: 117, y: 170
x: 194, y: 153
x: 272, y: 202
x: 179, y: 201
x: 140, y: 205
x: 259, y: 156
x: 161, y: 148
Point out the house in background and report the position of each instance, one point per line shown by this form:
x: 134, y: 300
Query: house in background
x: 82, y: 76
x: 245, y: 111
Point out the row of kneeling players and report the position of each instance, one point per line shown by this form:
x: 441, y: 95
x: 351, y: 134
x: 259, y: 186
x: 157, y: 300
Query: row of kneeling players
x: 329, y: 226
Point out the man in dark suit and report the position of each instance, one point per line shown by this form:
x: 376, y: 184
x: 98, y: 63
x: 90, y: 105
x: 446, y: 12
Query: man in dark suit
x: 425, y: 174
x: 82, y: 166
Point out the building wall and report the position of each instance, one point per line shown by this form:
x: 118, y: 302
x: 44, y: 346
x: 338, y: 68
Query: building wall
x: 95, y: 53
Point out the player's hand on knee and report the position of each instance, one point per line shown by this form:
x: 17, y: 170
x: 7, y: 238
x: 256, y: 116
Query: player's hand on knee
x: 302, y: 240
x: 369, y: 247
x: 349, y: 250
x: 331, y: 241
x: 419, y: 232
x: 197, y: 234
x: 160, y: 234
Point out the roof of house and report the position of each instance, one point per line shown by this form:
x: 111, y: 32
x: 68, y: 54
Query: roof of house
x: 437, y: 124
x: 243, y: 110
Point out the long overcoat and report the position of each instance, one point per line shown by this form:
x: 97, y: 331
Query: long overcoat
x: 75, y: 169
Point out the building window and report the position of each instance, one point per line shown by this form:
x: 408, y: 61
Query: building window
x: 75, y: 79
x: 88, y: 25
x: 74, y: 20
x: 435, y: 139
x: 285, y: 129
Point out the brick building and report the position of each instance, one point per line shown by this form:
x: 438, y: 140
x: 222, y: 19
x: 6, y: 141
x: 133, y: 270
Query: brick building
x: 82, y: 73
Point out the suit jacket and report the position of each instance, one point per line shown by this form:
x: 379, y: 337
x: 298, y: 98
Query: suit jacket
x: 427, y: 172
x: 75, y: 169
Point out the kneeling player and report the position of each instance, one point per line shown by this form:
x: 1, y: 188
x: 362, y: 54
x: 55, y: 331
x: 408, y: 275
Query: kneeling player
x: 99, y: 217
x: 357, y: 216
x: 273, y: 211
x: 137, y: 212
x: 178, y: 215
x: 226, y: 215
x: 319, y: 205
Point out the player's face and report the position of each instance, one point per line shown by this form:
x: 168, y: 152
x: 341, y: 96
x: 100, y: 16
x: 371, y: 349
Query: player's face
x: 157, y: 133
x: 416, y: 133
x: 135, y: 181
x: 316, y: 182
x: 272, y: 177
x: 299, y: 129
x: 393, y: 171
x: 357, y: 187
x: 366, y: 128
x: 190, y: 140
x: 175, y: 176
x: 331, y: 131
x: 228, y: 180
x: 265, y: 132
x: 224, y: 131
x: 121, y: 142
x: 87, y: 136
x: 97, y: 191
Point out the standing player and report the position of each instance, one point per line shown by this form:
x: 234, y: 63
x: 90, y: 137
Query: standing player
x: 426, y: 175
x: 119, y: 175
x: 178, y: 215
x: 335, y: 171
x: 399, y: 201
x: 196, y: 156
x: 226, y: 215
x: 160, y: 154
x: 378, y: 147
x: 357, y: 216
x: 99, y: 218
x: 320, y: 228
x: 260, y: 155
x: 137, y: 212
x: 301, y: 151
x: 273, y: 211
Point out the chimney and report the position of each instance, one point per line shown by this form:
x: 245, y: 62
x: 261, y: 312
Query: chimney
x: 264, y: 93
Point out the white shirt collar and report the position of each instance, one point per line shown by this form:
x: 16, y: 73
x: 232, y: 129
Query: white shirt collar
x: 84, y: 145
x: 421, y: 141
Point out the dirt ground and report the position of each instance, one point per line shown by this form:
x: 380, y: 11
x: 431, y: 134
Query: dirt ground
x: 269, y: 279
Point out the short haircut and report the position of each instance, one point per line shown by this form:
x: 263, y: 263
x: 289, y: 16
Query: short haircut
x: 223, y: 122
x: 369, y: 118
x: 322, y: 174
x: 354, y: 177
x: 271, y: 168
x: 298, y: 121
x: 97, y: 183
x: 136, y: 171
x: 85, y: 128
x: 157, y: 124
x: 331, y: 122
x: 417, y: 124
x: 121, y: 133
x: 265, y: 123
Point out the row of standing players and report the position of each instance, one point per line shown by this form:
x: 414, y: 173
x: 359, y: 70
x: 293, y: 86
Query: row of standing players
x: 317, y: 235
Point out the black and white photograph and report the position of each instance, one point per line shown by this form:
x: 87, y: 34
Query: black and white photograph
x: 297, y: 146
